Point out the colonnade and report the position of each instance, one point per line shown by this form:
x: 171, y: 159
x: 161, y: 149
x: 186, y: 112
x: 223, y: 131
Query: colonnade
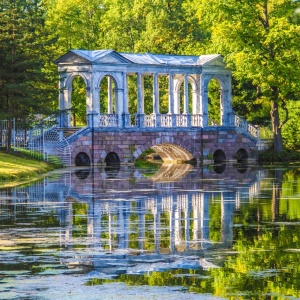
x: 197, y: 74
x: 184, y: 217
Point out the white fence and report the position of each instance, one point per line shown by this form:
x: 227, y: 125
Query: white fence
x: 43, y: 141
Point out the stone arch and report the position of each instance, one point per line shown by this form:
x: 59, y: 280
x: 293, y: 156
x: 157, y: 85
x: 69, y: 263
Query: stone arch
x: 79, y: 149
x: 167, y: 149
x: 219, y: 156
x: 173, y: 153
x: 191, y: 80
x: 69, y: 97
x: 241, y: 155
x: 82, y: 159
x: 193, y: 92
x: 224, y: 81
x: 111, y: 97
x: 112, y: 158
x: 70, y: 77
x: 113, y: 75
x: 100, y: 158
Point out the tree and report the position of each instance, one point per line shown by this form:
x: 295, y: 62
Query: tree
x: 259, y: 40
x: 170, y: 27
x: 75, y: 24
x: 25, y: 89
x: 122, y: 24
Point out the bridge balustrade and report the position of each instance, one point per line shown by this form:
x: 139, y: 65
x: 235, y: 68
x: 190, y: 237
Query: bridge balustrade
x: 153, y: 120
x: 108, y: 120
x: 246, y: 126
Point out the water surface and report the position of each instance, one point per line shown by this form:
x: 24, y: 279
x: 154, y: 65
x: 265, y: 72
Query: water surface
x: 181, y: 232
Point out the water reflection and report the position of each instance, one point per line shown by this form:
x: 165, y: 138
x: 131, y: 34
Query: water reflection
x: 118, y: 222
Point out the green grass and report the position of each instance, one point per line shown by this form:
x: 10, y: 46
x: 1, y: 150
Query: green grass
x: 15, y: 169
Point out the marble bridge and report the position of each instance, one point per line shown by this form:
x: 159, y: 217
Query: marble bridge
x: 139, y: 101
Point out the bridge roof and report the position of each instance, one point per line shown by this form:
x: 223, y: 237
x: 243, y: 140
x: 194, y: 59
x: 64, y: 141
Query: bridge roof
x: 113, y: 57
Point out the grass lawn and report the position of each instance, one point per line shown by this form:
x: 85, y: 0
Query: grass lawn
x: 15, y: 169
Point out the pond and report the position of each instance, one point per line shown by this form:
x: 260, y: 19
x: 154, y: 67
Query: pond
x: 179, y: 232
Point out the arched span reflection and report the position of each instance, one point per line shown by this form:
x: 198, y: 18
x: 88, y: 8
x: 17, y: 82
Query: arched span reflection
x: 131, y: 213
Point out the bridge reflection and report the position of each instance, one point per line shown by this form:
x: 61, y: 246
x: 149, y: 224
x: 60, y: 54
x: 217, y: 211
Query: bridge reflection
x: 123, y: 210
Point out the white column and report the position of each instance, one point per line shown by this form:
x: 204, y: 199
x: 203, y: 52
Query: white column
x: 156, y: 230
x: 95, y: 101
x: 177, y: 225
x: 64, y: 103
x: 109, y: 96
x: 186, y: 95
x: 204, y: 99
x: 125, y: 102
x: 187, y: 223
x: 227, y: 210
x: 171, y: 94
x: 67, y: 105
x: 155, y: 94
x: 140, y: 93
x: 171, y: 100
x: 61, y: 98
x: 176, y: 83
x: 226, y: 102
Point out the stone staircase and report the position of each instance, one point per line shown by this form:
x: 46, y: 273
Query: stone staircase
x: 68, y: 131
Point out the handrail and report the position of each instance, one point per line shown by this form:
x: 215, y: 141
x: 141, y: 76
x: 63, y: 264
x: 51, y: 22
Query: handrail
x: 246, y: 126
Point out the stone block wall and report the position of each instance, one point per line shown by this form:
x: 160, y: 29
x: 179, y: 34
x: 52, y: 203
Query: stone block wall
x: 129, y: 145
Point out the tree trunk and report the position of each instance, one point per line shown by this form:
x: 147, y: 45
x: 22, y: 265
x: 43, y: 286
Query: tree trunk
x: 276, y: 127
x: 276, y: 194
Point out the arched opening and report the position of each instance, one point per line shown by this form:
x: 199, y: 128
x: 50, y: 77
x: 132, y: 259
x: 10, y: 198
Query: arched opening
x: 82, y: 159
x: 214, y: 103
x: 78, y: 102
x: 219, y: 161
x: 172, y: 153
x: 112, y: 159
x: 185, y: 108
x: 132, y: 98
x: 112, y: 168
x: 82, y: 174
x: 219, y: 156
x: 163, y: 92
x: 148, y: 94
x: 108, y: 101
x: 219, y: 168
x: 241, y: 155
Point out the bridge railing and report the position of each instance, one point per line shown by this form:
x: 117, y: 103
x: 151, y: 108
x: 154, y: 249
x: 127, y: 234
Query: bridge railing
x: 246, y: 126
x: 163, y: 120
x: 168, y: 121
x: 108, y: 120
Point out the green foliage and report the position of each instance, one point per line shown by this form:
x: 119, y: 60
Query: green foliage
x: 284, y: 156
x: 258, y: 39
x: 25, y: 84
x: 78, y: 102
x: 13, y: 167
x: 259, y: 42
x: 291, y: 132
x: 214, y: 101
x: 75, y: 24
x: 79, y: 219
